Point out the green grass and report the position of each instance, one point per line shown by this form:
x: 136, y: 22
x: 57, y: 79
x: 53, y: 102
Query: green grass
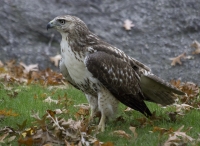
x: 25, y: 102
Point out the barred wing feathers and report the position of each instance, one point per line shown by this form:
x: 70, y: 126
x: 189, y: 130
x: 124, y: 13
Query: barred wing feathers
x: 119, y: 78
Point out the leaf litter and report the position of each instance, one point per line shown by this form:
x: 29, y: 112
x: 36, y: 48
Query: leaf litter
x: 52, y: 129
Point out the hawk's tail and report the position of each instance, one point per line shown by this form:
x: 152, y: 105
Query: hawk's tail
x: 158, y: 91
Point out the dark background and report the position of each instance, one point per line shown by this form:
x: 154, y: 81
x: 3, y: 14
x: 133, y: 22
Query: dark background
x: 163, y: 29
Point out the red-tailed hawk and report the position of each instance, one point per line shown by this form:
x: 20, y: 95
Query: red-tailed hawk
x: 106, y: 74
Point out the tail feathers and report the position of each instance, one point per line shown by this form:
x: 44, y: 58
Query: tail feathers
x: 135, y: 102
x: 157, y: 90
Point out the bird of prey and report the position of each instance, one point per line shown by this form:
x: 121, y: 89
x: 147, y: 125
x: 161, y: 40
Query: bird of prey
x: 105, y: 73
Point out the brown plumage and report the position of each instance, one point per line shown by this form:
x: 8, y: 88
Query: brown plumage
x: 106, y: 74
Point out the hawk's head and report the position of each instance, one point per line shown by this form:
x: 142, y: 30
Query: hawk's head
x: 67, y: 24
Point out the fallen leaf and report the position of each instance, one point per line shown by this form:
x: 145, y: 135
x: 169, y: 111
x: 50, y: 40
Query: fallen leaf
x: 182, y: 107
x: 51, y: 114
x: 10, y: 63
x: 68, y: 143
x: 128, y: 24
x: 192, y: 91
x: 195, y: 44
x: 59, y: 111
x: 178, y: 137
x: 72, y: 124
x: 34, y: 75
x: 29, y: 132
x: 6, y: 112
x: 3, y: 137
x: 50, y: 100
x: 12, y: 94
x: 162, y: 130
x: 96, y: 143
x: 176, y: 83
x: 144, y: 121
x: 56, y: 59
x: 27, y: 141
x: 128, y: 109
x: 83, y: 111
x: 22, y: 126
x: 122, y: 133
x: 177, y: 59
x: 48, y: 144
x: 189, y: 57
x: 107, y: 144
x: 28, y: 68
x: 1, y: 64
x: 134, y: 132
x: 41, y: 122
x: 11, y: 138
x: 83, y: 106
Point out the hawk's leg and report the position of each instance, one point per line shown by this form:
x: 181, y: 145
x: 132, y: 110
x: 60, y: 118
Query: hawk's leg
x: 108, y: 105
x: 93, y: 101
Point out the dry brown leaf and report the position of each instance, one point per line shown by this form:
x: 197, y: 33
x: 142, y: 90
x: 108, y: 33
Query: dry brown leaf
x: 122, y: 133
x: 162, y: 130
x: 107, y: 144
x: 189, y: 57
x: 128, y: 109
x: 177, y: 59
x: 12, y: 94
x: 6, y: 112
x: 11, y: 138
x: 51, y: 114
x: 50, y: 100
x: 192, y: 91
x: 28, y: 68
x: 72, y: 124
x: 96, y: 143
x: 198, y: 139
x: 48, y: 144
x: 42, y: 136
x: 26, y: 141
x: 56, y: 59
x: 83, y: 111
x: 33, y: 75
x: 59, y: 111
x: 134, y: 132
x: 182, y: 107
x: 29, y: 74
x: 176, y: 83
x: 178, y: 137
x: 10, y: 63
x: 68, y: 143
x: 83, y: 106
x: 35, y: 115
x: 50, y: 129
x: 2, y: 137
x: 1, y: 64
x: 144, y: 121
x: 195, y: 44
x: 128, y: 24
x: 39, y: 121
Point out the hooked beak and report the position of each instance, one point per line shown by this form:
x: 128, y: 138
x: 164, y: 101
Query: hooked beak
x: 50, y: 25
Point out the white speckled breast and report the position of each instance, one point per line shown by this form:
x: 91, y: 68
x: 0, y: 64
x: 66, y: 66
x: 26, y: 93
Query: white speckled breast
x: 75, y: 65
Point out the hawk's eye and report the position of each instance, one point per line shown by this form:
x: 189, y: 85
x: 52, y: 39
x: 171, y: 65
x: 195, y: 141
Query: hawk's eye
x: 61, y: 21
